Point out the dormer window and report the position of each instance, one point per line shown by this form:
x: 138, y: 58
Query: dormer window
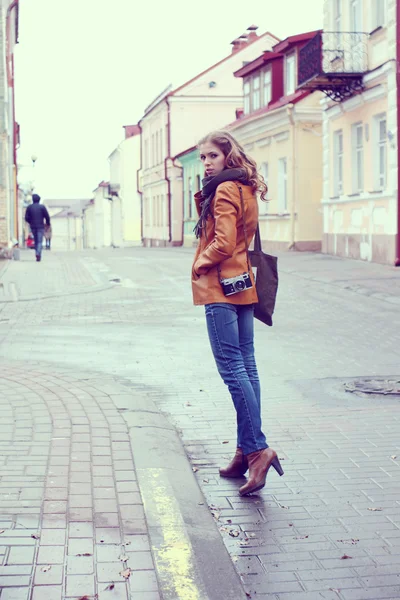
x: 246, y: 95
x: 267, y: 87
x: 290, y: 74
x: 256, y: 92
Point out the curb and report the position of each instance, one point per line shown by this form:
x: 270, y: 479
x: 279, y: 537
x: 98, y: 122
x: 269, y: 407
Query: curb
x: 190, y: 557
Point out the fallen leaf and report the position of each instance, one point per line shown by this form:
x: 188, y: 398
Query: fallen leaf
x: 216, y: 514
x: 35, y: 536
x: 2, y: 531
x: 110, y: 587
x: 84, y: 554
x: 252, y: 535
x: 201, y: 503
x: 248, y: 594
x: 352, y: 541
x: 188, y: 404
x: 374, y: 509
x: 229, y: 520
x: 45, y: 569
x: 123, y: 558
x: 345, y: 556
x: 243, y: 543
x: 334, y: 590
x: 290, y: 524
x: 226, y: 442
x: 206, y: 480
x: 283, y: 506
x: 194, y: 469
x: 301, y: 537
x: 393, y: 457
x: 84, y: 598
x: 126, y: 573
x: 234, y: 533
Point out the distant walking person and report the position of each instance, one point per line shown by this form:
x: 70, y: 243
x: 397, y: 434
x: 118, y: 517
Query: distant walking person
x: 37, y: 216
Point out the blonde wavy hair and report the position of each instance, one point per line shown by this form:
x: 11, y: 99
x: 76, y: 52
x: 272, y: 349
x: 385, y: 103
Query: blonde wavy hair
x: 236, y: 158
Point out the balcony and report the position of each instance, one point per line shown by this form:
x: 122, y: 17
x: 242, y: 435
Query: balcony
x: 334, y: 63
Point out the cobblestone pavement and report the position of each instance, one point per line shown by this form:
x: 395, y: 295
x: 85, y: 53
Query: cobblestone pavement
x: 330, y: 528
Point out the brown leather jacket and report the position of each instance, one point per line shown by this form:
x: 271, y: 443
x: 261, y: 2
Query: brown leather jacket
x: 223, y: 244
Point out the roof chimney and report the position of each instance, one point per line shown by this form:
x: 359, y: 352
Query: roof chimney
x: 252, y: 33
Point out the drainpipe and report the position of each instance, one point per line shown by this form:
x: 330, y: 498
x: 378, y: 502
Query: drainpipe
x: 139, y: 191
x: 397, y: 260
x: 292, y: 244
x: 167, y: 179
x: 11, y: 103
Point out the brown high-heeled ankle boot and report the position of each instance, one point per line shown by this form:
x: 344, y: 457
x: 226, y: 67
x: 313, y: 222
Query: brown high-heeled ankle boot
x: 259, y: 464
x: 237, y: 467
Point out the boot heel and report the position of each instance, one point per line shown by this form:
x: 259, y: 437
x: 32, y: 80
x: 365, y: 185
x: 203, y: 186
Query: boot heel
x: 277, y: 466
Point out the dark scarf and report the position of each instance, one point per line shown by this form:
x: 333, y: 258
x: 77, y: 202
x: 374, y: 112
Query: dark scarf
x: 210, y: 185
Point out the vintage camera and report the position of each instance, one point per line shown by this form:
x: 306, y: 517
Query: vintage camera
x: 237, y: 284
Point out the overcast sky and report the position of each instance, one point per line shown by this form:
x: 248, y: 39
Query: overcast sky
x: 85, y: 68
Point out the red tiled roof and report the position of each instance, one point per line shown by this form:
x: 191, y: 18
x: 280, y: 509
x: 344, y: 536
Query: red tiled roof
x: 257, y: 63
x: 294, y: 39
x: 292, y: 99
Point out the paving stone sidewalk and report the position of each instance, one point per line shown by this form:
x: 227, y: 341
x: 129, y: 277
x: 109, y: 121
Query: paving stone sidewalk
x: 71, y: 515
x: 340, y: 493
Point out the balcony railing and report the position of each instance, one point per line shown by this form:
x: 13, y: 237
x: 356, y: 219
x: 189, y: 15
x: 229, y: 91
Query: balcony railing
x: 334, y: 61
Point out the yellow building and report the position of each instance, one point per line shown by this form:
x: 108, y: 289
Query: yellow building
x: 281, y: 128
x: 357, y: 72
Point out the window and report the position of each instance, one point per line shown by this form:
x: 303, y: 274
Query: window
x: 282, y: 185
x: 190, y: 198
x: 337, y: 15
x: 256, y: 92
x: 378, y: 8
x: 267, y: 87
x: 152, y: 151
x: 146, y: 154
x: 263, y: 206
x: 290, y: 78
x: 161, y: 146
x: 157, y: 149
x: 358, y: 157
x: 338, y: 163
x: 246, y: 94
x: 355, y: 16
x: 381, y: 152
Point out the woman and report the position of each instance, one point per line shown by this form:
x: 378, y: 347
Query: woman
x: 223, y: 281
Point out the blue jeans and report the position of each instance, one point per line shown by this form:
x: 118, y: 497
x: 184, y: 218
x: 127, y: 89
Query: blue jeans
x: 231, y: 332
x: 38, y: 237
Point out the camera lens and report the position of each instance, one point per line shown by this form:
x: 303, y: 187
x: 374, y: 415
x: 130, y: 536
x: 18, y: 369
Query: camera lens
x: 239, y: 286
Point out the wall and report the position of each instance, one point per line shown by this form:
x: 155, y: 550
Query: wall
x: 363, y: 224
x: 130, y: 198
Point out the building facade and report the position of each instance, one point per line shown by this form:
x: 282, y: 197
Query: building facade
x: 9, y: 130
x: 357, y: 72
x: 126, y: 217
x: 97, y: 218
x: 175, y: 121
x: 281, y: 128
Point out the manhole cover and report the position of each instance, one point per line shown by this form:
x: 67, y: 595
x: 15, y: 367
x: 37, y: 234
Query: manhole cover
x: 386, y: 387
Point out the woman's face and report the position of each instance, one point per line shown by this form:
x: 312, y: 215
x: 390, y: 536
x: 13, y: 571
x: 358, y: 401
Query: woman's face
x: 212, y: 158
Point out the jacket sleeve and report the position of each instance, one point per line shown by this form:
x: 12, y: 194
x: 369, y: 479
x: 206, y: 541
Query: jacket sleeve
x: 28, y: 214
x: 226, y: 209
x: 46, y: 215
